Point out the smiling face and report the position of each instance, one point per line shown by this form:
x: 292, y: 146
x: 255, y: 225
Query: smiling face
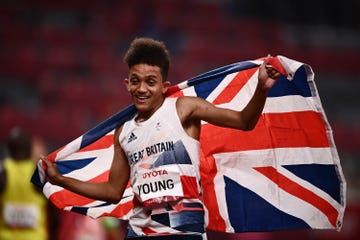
x: 147, y: 89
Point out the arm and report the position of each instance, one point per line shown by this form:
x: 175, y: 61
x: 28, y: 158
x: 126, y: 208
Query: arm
x: 192, y: 109
x: 266, y: 79
x: 110, y: 191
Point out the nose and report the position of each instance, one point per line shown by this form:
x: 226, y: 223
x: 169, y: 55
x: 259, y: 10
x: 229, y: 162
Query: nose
x: 142, y: 87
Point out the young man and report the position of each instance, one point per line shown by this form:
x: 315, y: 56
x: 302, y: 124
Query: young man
x: 158, y: 150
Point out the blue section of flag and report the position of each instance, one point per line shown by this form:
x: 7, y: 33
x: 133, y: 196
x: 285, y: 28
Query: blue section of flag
x: 66, y: 167
x: 297, y: 86
x: 205, y: 88
x: 221, y: 72
x: 328, y: 182
x: 264, y: 216
x: 35, y: 179
x: 202, y: 84
x: 108, y: 125
x: 81, y: 210
x: 84, y: 210
x: 181, y: 221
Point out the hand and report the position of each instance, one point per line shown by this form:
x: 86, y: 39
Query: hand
x: 51, y: 171
x: 268, y: 75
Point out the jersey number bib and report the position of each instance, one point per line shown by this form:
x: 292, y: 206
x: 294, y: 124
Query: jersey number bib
x: 21, y: 215
x: 153, y: 186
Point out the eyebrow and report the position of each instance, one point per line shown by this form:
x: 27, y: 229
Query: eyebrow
x: 146, y: 76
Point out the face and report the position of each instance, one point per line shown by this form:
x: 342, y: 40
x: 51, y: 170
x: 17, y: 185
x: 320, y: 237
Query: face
x: 146, y: 87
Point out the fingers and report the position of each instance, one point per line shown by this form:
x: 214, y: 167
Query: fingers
x: 266, y: 64
x: 47, y: 165
x: 44, y: 159
x: 272, y: 73
x: 50, y: 170
x: 267, y: 59
x: 270, y: 70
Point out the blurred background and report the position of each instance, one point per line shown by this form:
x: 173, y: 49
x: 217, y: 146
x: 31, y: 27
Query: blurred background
x: 61, y: 69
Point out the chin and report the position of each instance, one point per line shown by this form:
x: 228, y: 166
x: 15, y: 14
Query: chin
x: 141, y: 106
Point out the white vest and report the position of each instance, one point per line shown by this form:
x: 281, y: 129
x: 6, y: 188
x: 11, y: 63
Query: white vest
x: 164, y: 160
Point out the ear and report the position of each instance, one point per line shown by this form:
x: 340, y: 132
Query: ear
x: 127, y: 85
x: 166, y: 86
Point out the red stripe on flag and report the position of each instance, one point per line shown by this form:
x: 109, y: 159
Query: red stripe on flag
x: 208, y: 172
x: 52, y: 156
x: 148, y: 231
x: 121, y: 210
x: 104, y: 142
x: 274, y: 130
x: 64, y: 198
x: 276, y: 64
x: 235, y: 85
x: 177, y: 94
x: 297, y: 190
x: 189, y: 187
x: 173, y: 91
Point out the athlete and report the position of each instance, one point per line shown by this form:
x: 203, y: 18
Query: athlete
x: 24, y: 211
x: 158, y: 150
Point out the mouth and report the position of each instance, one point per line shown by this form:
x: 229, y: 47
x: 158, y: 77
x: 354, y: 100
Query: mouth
x: 141, y: 99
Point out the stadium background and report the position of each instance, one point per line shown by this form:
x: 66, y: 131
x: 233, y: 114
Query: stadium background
x: 61, y: 69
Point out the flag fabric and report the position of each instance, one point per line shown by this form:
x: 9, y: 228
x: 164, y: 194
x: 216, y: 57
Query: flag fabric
x: 284, y: 174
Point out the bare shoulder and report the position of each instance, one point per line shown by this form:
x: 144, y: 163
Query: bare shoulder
x: 118, y: 130
x: 185, y: 98
x: 189, y: 107
x: 184, y: 107
x: 117, y: 133
x: 187, y: 103
x: 189, y: 100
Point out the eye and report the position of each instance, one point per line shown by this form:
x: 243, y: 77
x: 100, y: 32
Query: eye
x: 151, y: 82
x: 134, y: 81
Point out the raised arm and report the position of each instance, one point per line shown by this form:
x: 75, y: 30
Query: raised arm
x: 267, y: 77
x: 192, y: 109
x: 110, y: 191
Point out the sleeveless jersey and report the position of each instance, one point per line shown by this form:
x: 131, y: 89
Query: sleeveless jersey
x: 22, y: 208
x: 164, y: 163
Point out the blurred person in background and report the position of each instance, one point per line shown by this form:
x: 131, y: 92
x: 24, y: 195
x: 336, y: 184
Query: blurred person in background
x: 24, y: 211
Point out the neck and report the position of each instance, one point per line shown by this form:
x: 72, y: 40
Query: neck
x: 145, y: 115
x: 140, y: 119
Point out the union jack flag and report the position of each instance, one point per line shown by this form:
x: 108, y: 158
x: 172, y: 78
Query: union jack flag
x: 285, y: 174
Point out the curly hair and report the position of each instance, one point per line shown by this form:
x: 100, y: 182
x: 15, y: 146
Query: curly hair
x: 148, y: 51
